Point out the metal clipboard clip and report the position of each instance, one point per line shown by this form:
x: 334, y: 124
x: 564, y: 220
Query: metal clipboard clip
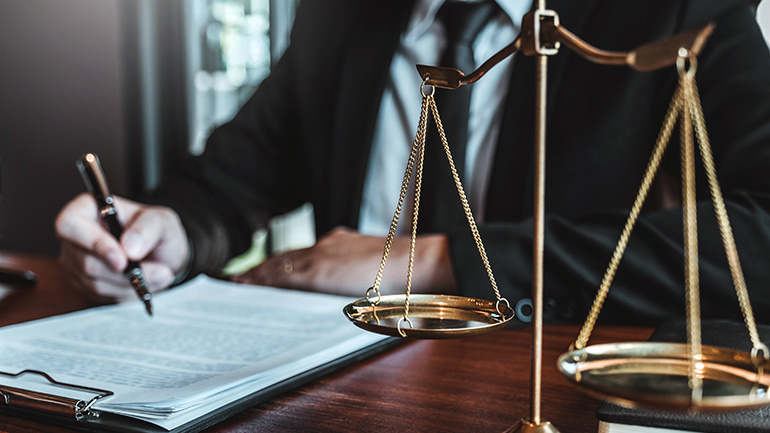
x: 37, y: 401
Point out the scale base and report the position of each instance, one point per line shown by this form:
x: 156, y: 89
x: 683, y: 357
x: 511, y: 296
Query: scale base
x: 525, y: 426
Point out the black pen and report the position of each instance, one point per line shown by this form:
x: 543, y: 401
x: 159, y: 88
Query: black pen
x: 93, y: 176
x: 17, y: 278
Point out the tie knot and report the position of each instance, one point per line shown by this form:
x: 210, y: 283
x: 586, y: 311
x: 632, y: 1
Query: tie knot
x: 464, y: 20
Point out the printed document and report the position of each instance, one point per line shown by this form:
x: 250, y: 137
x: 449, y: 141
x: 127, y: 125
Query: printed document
x: 209, y: 343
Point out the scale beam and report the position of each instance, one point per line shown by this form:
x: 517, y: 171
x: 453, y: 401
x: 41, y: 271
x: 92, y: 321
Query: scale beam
x: 530, y: 41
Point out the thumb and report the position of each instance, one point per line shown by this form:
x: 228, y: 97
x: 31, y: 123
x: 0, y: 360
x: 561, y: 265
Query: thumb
x: 142, y: 233
x: 156, y: 233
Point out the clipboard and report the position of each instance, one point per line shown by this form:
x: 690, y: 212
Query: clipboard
x: 80, y: 413
x: 215, y: 348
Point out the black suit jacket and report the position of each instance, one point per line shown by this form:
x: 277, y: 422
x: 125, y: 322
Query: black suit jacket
x: 305, y: 136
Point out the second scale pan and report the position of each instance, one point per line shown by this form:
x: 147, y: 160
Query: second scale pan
x: 657, y: 374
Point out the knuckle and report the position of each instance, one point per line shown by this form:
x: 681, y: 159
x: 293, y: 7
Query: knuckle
x: 155, y: 216
x: 167, y: 216
x: 158, y: 277
x: 64, y: 223
x: 91, y: 266
x: 102, y: 247
x: 101, y: 289
x: 339, y: 230
x: 67, y: 220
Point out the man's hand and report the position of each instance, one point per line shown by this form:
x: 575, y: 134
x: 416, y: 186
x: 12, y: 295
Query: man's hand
x: 346, y: 262
x: 94, y: 260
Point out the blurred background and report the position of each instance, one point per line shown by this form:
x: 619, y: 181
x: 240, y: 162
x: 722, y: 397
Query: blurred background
x: 139, y: 82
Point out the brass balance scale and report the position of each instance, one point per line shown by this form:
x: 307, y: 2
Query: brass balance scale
x: 685, y: 376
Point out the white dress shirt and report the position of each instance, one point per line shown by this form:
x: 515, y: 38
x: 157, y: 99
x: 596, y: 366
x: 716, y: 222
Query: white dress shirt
x: 422, y: 43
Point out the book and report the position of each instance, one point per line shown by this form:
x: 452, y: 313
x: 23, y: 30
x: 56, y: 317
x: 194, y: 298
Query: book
x: 212, y: 348
x: 614, y: 418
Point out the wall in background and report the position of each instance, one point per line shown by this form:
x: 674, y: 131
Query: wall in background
x: 60, y: 96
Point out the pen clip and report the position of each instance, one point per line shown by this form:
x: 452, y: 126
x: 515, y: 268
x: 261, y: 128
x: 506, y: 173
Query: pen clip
x: 91, y: 170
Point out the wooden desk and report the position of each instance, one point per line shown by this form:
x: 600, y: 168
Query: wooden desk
x: 476, y: 384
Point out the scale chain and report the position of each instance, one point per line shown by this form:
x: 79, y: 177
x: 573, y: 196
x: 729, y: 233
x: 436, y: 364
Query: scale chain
x: 422, y: 129
x: 724, y: 222
x: 464, y: 200
x: 690, y: 221
x: 417, y: 155
x: 417, y: 146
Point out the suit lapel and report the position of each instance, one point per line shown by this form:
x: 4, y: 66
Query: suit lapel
x: 362, y: 80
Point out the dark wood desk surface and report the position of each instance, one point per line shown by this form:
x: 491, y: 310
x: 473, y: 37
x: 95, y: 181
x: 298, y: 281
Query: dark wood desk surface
x: 475, y: 384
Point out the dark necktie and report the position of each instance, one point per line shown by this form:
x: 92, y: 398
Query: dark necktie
x: 440, y: 207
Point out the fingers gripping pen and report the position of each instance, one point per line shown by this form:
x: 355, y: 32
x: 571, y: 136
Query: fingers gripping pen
x: 96, y: 182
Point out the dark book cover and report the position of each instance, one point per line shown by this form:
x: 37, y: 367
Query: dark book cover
x: 720, y: 333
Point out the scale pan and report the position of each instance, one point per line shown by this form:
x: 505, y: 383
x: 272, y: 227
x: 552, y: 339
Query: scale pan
x: 656, y: 374
x: 432, y: 316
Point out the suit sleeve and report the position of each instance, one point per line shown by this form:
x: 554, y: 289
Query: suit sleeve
x: 247, y: 173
